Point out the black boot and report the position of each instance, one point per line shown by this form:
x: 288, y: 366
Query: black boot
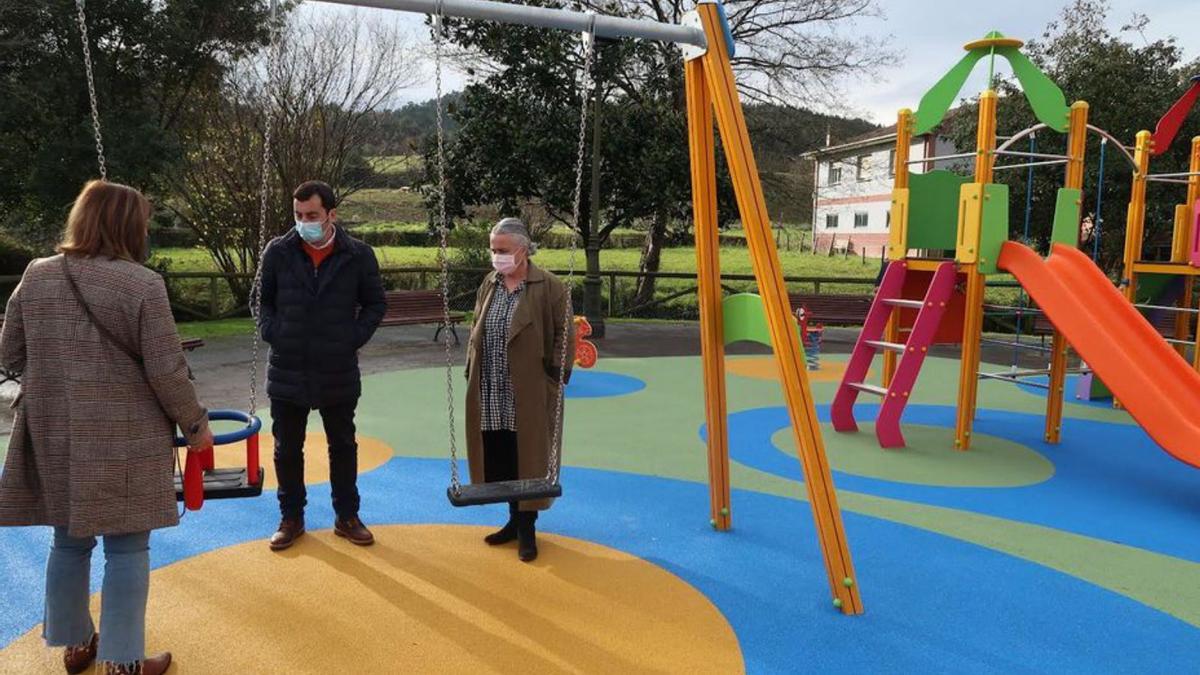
x: 508, y: 532
x: 527, y: 534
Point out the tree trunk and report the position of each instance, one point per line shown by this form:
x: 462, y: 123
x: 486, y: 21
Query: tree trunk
x: 651, y: 257
x: 593, y: 306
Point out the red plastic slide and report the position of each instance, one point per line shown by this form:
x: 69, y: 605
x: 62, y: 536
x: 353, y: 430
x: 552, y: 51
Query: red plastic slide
x: 1154, y: 383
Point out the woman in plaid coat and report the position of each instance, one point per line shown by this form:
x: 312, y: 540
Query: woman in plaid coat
x: 104, y: 384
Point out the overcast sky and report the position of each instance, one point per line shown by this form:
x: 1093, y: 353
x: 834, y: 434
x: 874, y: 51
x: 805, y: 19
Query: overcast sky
x: 927, y: 34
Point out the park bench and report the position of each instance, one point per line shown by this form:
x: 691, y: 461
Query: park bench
x: 407, y: 308
x: 832, y: 309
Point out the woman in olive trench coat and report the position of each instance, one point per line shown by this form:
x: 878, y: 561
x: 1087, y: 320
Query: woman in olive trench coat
x: 531, y: 302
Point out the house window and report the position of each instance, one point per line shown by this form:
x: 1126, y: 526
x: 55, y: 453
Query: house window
x: 831, y: 221
x: 834, y: 176
x: 860, y: 167
x: 892, y: 163
x: 860, y: 219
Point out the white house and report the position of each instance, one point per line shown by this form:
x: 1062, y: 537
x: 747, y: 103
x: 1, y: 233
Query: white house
x: 852, y: 191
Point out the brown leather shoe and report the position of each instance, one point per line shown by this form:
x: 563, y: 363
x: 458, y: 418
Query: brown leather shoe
x: 155, y: 665
x: 354, y: 530
x: 290, y: 529
x: 79, y: 659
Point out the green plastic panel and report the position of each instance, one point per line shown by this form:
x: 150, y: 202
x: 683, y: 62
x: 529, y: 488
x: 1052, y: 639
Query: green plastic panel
x: 942, y: 95
x: 993, y: 231
x: 1047, y: 100
x: 1066, y: 217
x: 746, y: 319
x: 933, y: 209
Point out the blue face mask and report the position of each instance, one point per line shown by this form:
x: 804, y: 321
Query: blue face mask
x: 311, y: 232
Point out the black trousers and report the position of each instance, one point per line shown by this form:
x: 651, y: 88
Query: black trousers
x: 289, y: 422
x: 499, y: 456
x: 500, y: 462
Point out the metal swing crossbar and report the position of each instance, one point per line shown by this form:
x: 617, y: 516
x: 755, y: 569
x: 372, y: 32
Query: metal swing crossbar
x: 600, y: 25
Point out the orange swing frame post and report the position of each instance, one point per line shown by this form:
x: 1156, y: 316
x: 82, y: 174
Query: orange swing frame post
x: 712, y: 88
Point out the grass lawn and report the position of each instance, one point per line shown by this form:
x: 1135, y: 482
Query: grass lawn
x: 393, y: 164
x: 734, y: 260
x: 384, y: 205
x: 206, y: 330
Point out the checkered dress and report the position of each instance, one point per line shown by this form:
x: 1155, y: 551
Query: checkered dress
x: 498, y: 406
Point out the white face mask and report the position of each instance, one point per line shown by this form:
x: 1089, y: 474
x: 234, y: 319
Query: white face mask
x: 504, y: 263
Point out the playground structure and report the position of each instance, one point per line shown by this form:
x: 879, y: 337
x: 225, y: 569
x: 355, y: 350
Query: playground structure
x: 930, y: 298
x: 1184, y: 264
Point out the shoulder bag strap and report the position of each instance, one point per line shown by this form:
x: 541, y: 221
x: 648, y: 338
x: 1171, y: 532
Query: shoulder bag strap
x: 107, y: 334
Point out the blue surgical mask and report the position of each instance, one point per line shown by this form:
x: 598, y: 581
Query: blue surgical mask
x: 311, y: 232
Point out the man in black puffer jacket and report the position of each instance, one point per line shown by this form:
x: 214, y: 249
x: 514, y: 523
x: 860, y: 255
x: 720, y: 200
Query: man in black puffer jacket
x: 322, y: 299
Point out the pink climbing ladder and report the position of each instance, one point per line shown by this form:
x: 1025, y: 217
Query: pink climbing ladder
x: 912, y: 352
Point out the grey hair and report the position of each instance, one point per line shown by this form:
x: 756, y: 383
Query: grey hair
x: 515, y: 227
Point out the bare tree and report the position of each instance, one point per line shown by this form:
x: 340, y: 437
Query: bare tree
x: 792, y: 52
x: 318, y: 91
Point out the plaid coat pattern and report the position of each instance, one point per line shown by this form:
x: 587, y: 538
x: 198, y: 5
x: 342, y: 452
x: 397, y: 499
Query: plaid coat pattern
x: 91, y: 447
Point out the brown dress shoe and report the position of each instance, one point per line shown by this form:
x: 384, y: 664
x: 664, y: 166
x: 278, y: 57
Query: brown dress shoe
x: 354, y: 530
x: 79, y: 659
x: 290, y: 529
x: 155, y: 665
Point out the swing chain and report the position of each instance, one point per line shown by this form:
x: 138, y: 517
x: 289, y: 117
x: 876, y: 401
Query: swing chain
x: 263, y: 200
x: 587, y: 85
x: 91, y: 87
x: 443, y: 246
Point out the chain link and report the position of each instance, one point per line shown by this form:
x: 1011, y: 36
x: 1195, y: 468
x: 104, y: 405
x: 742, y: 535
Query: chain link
x: 264, y: 197
x: 91, y: 87
x: 443, y: 248
x: 589, y: 46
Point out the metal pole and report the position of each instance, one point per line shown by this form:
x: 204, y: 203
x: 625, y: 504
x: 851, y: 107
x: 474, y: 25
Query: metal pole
x: 592, y: 283
x: 1035, y: 155
x: 1099, y: 202
x: 1024, y: 165
x: 543, y: 17
x: 1025, y: 239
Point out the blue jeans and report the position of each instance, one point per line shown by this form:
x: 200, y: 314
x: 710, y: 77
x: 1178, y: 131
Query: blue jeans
x: 68, y: 620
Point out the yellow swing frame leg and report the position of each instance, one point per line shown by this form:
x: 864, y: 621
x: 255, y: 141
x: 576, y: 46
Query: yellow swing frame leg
x: 708, y: 263
x: 717, y: 73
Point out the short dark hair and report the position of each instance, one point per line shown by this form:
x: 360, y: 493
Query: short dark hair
x: 316, y: 187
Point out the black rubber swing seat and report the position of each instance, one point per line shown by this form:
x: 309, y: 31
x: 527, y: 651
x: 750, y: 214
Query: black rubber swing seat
x: 500, y: 492
x: 225, y: 483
